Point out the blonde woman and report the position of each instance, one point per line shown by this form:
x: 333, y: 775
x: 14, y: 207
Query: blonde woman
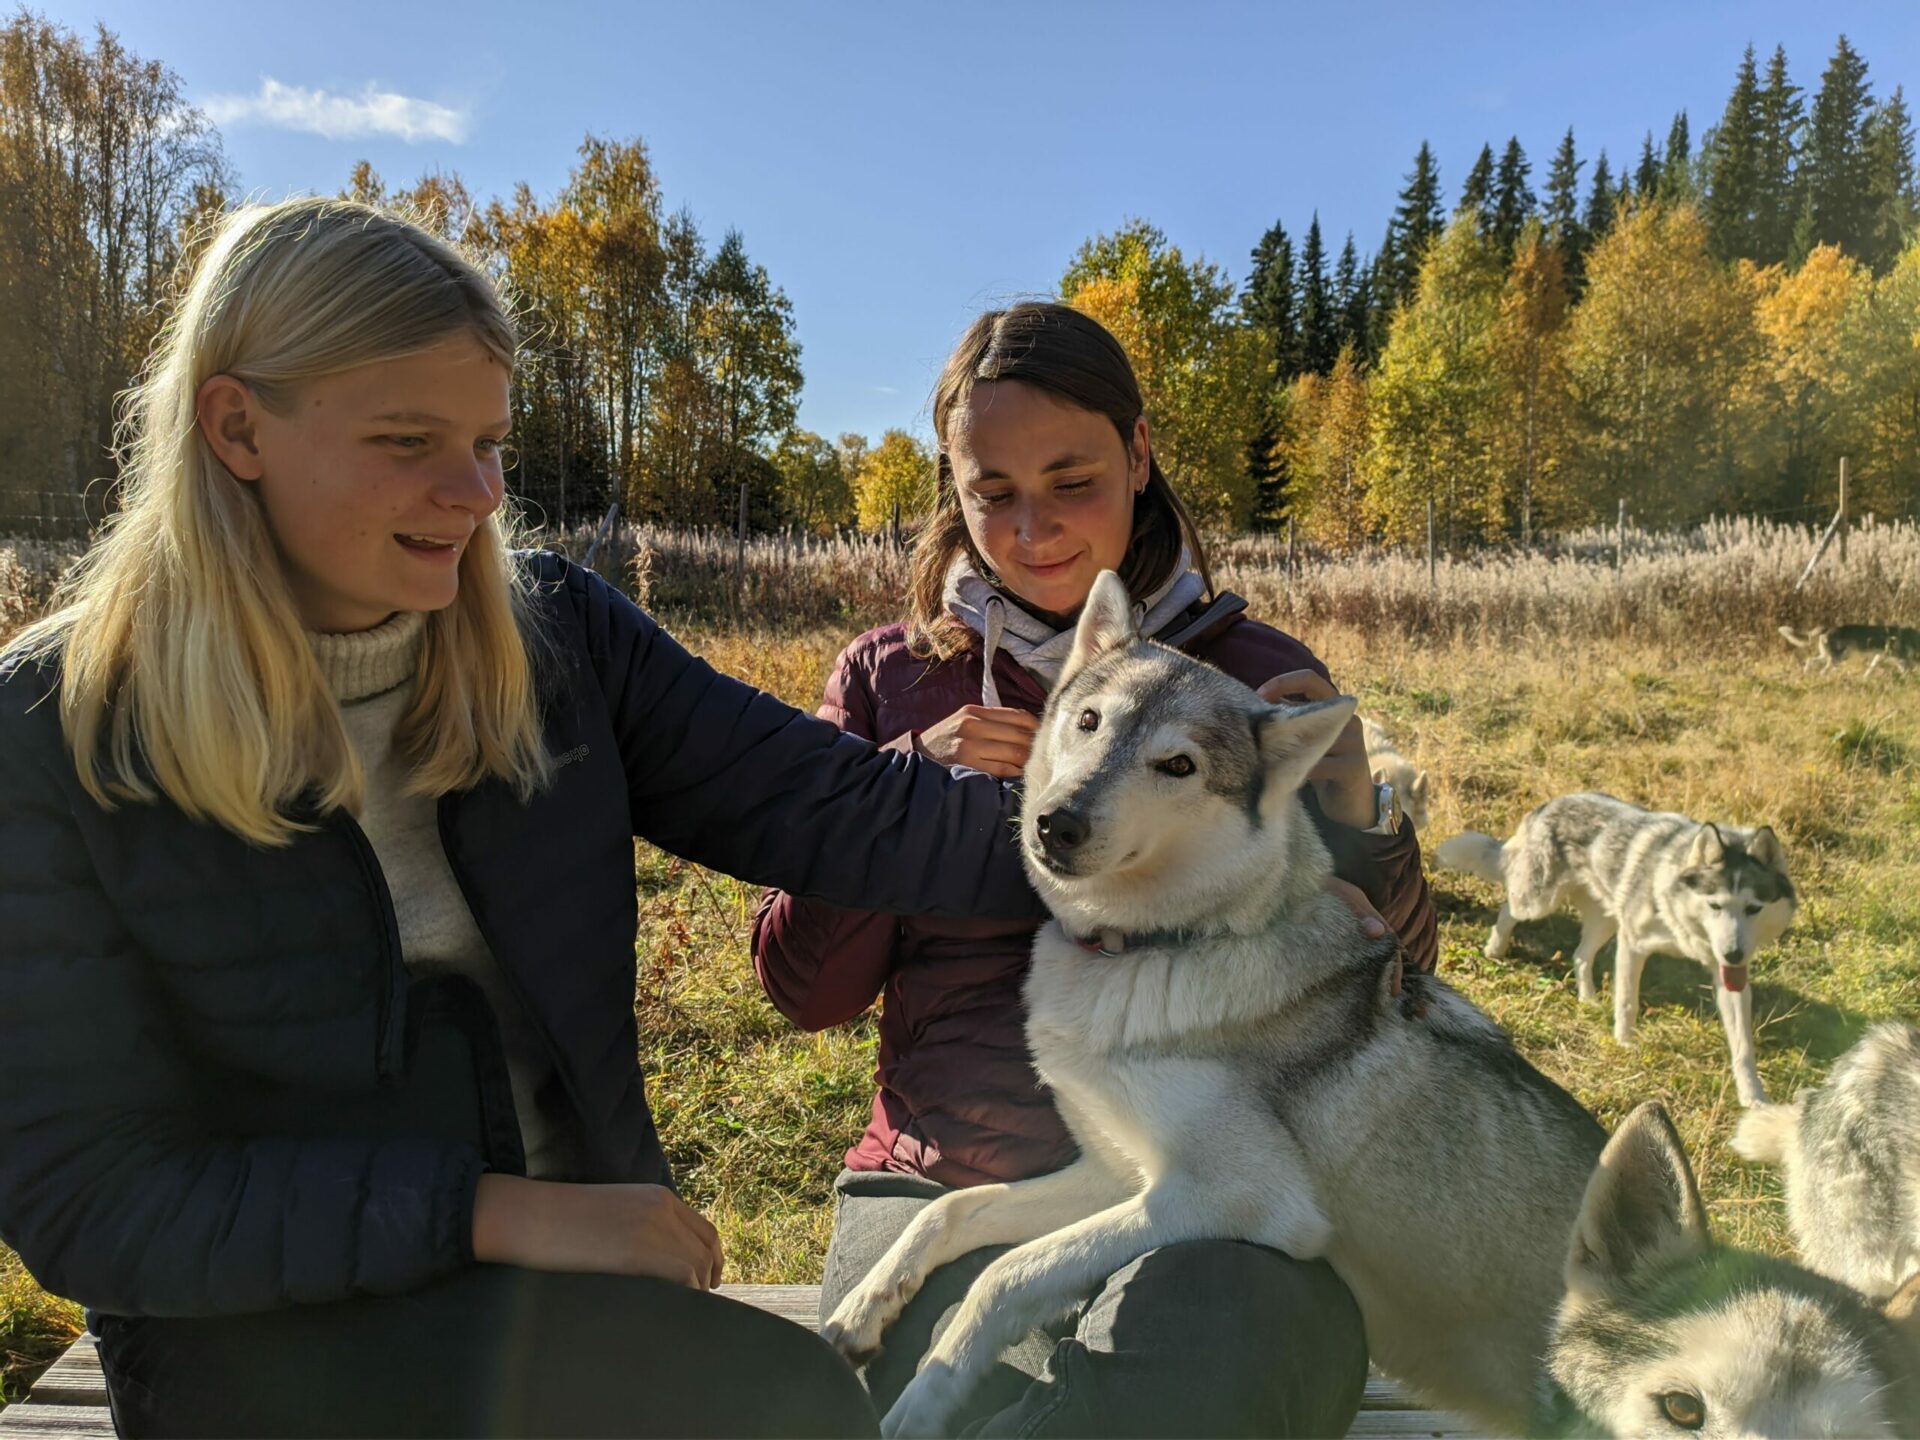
x: 318, y: 1080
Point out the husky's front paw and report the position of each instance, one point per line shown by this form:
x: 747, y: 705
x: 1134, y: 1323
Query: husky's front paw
x: 1496, y: 946
x: 1751, y: 1089
x: 857, y: 1324
x: 928, y: 1405
x: 1623, y: 1031
x: 1589, y: 992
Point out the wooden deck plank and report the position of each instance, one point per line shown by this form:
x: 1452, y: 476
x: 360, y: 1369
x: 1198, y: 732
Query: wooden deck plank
x: 74, y: 1378
x: 1395, y: 1424
x: 57, y: 1422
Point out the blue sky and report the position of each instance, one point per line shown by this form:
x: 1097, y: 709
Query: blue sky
x: 897, y: 167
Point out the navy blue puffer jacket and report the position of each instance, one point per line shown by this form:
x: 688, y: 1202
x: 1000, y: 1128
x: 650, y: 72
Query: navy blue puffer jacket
x: 150, y: 964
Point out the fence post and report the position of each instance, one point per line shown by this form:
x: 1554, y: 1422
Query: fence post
x: 1433, y: 574
x: 1620, y: 542
x: 1289, y: 557
x: 896, y: 524
x: 740, y: 552
x: 1843, y: 509
x: 606, y: 526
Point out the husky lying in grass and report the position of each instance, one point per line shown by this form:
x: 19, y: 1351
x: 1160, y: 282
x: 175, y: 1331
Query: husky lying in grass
x: 1716, y: 894
x: 1237, y: 1061
x: 1851, y: 1152
x: 1663, y: 1332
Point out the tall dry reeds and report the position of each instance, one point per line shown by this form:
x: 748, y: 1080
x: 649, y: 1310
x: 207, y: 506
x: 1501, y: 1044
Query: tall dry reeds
x: 1729, y: 580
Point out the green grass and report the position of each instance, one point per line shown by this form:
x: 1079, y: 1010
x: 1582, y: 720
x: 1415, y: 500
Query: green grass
x: 756, y: 1116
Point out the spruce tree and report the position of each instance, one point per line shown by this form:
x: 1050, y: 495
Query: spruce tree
x: 1733, y: 169
x: 1834, y: 166
x: 1319, y: 318
x: 1270, y: 303
x: 1476, y: 196
x: 1562, y: 215
x: 1417, y: 218
x: 1269, y: 306
x: 1893, y: 204
x: 1776, y: 206
x: 1381, y: 302
x: 1676, y: 176
x: 1646, y: 177
x: 1601, y: 202
x: 1353, y: 301
x: 1513, y: 200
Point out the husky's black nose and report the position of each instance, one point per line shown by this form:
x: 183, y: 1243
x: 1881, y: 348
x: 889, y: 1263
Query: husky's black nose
x: 1062, y: 832
x: 1732, y: 955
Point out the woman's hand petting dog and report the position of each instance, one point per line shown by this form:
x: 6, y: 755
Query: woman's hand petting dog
x: 981, y: 737
x: 1342, y: 781
x: 594, y: 1229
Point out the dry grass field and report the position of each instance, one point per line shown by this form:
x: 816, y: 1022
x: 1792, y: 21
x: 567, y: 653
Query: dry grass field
x: 1513, y: 681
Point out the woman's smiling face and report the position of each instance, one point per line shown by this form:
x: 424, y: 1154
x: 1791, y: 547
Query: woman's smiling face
x: 375, y: 479
x: 1047, y: 490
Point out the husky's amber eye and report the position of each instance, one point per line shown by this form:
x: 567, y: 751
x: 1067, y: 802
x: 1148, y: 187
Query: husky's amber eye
x: 1089, y: 719
x: 1178, y: 766
x: 1684, y: 1409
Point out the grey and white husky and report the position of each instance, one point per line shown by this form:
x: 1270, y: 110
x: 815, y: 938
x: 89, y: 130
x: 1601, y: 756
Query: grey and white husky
x: 1851, y: 1152
x: 1715, y: 894
x: 1898, y: 645
x: 1664, y: 1332
x: 1409, y: 781
x: 1237, y: 1061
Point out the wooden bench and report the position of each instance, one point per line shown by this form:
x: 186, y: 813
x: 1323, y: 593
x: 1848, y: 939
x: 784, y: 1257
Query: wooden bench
x: 70, y: 1400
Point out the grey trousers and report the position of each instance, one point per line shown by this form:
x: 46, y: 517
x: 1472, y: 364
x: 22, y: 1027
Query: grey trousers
x: 1212, y: 1337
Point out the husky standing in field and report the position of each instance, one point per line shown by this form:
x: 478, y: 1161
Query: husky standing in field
x: 1391, y: 767
x: 1237, y: 1061
x: 1898, y: 645
x: 1714, y: 893
x: 1851, y: 1151
x: 1663, y: 1331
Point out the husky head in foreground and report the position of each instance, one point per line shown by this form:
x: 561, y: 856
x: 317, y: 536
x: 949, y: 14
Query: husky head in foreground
x: 1664, y: 1332
x: 1160, y: 793
x: 1851, y: 1153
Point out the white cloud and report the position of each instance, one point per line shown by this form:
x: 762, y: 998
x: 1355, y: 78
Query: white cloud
x: 341, y: 117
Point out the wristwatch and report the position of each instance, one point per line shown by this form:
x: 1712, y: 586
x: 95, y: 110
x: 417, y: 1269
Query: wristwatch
x: 1386, y: 813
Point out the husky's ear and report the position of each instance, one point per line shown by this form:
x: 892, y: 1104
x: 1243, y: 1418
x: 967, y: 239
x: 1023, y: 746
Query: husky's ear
x: 1903, y: 1309
x: 1418, y: 789
x: 1767, y: 849
x: 1292, y: 739
x: 1707, y: 848
x: 1642, y: 1209
x: 1106, y: 623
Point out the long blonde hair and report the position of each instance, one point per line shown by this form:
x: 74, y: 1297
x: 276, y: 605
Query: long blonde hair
x: 184, y: 670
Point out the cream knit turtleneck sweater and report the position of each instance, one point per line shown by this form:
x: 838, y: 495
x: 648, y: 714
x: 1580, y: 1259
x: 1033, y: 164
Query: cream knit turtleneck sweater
x: 371, y: 676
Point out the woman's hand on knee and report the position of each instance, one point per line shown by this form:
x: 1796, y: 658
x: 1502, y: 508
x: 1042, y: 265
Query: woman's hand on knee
x: 594, y: 1229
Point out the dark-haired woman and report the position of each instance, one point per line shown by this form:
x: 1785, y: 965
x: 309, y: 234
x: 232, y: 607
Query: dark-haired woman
x: 1046, y: 477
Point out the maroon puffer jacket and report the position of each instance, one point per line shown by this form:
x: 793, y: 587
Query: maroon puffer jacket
x: 958, y: 1100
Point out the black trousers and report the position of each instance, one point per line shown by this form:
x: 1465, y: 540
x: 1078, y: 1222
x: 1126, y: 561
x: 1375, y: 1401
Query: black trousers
x: 491, y: 1350
x: 1210, y: 1337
